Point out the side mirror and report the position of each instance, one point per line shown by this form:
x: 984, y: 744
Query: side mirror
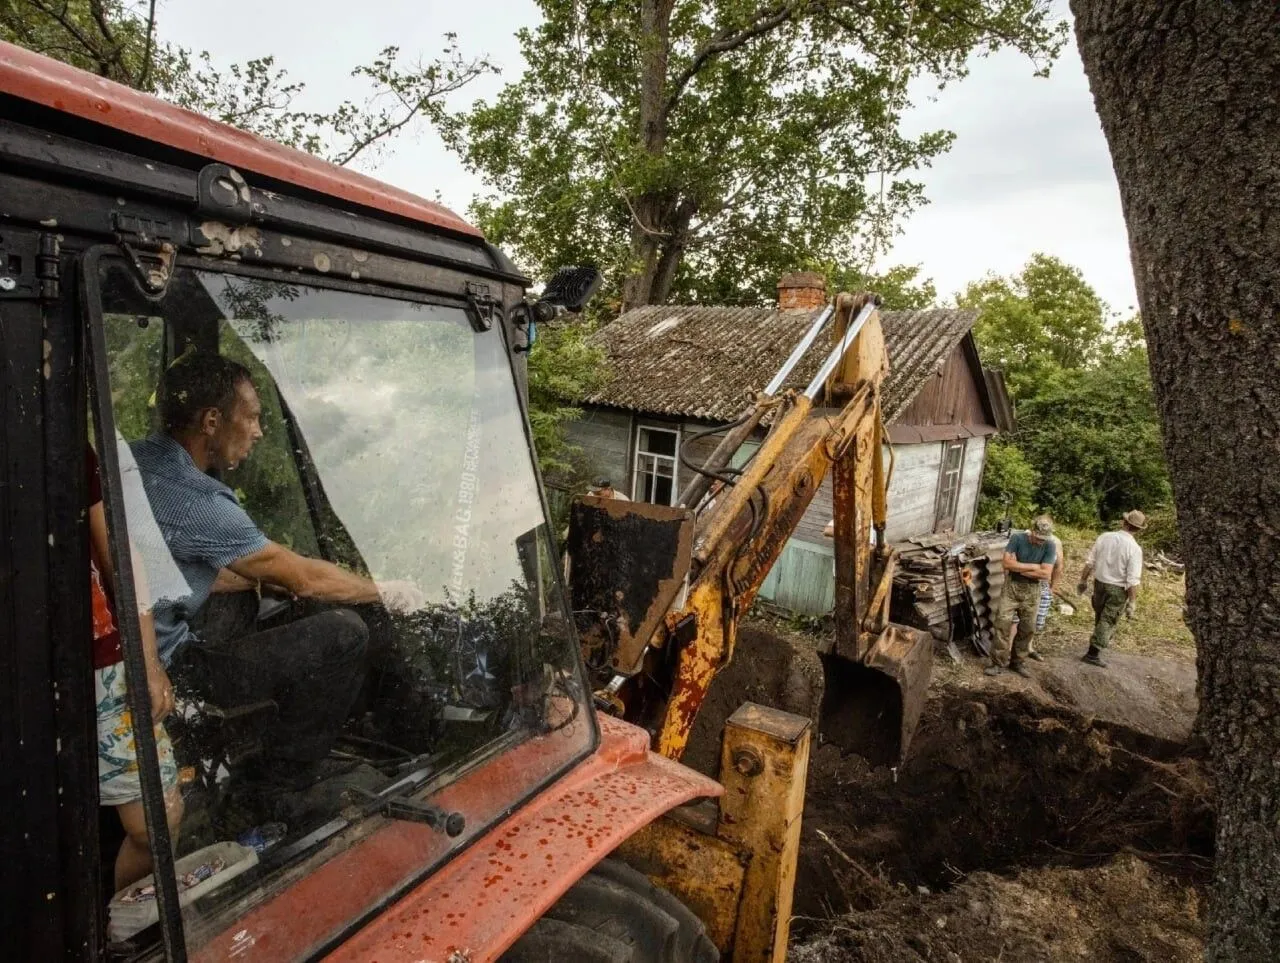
x: 568, y: 292
x: 571, y: 288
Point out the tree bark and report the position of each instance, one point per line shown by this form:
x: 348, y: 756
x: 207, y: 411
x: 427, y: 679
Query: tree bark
x: 1188, y: 92
x: 673, y: 248
x: 650, y: 211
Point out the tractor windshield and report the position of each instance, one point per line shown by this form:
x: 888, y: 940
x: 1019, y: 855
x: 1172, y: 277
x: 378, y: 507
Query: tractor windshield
x: 346, y: 561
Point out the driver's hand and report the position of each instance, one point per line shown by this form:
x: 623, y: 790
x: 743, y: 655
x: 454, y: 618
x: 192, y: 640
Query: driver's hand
x: 161, y: 691
x: 402, y: 597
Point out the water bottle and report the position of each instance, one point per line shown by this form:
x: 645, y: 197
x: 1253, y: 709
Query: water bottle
x: 262, y: 838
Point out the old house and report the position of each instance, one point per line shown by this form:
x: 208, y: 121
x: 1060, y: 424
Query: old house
x: 680, y: 373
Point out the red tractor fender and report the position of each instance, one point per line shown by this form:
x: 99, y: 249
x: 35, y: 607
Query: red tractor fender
x: 480, y: 902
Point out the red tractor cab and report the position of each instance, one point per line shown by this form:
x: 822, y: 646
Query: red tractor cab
x: 469, y: 784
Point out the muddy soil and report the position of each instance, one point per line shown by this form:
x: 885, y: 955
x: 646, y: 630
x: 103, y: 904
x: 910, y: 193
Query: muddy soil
x: 1124, y: 911
x: 1016, y: 818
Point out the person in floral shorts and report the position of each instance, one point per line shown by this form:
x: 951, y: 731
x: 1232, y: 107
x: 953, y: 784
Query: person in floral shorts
x: 119, y: 785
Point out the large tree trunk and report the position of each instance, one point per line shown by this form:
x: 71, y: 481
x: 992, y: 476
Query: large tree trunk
x: 1189, y: 96
x: 651, y: 211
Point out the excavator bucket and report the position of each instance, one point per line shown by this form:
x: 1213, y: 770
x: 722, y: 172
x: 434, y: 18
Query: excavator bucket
x: 871, y: 707
x: 627, y: 565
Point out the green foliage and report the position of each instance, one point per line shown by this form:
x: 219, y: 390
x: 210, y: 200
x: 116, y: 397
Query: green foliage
x: 1161, y: 533
x: 1094, y: 436
x: 699, y: 150
x: 118, y: 39
x: 901, y: 286
x: 1009, y: 485
x: 1044, y: 319
x: 1088, y: 433
x: 561, y: 365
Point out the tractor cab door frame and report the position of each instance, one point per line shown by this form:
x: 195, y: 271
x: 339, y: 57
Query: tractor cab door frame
x: 137, y: 697
x: 50, y: 890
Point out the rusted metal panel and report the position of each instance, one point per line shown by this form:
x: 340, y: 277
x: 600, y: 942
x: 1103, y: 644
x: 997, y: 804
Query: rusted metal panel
x: 763, y: 765
x: 704, y: 872
x: 478, y: 904
x: 627, y: 563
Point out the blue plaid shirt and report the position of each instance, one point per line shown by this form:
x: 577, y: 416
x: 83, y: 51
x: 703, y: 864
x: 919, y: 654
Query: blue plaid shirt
x: 203, y: 526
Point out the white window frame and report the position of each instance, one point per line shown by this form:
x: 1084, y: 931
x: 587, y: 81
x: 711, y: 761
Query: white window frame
x: 938, y: 514
x: 638, y: 474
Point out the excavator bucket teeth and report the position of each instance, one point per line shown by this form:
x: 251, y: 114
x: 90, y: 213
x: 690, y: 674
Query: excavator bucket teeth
x: 627, y: 562
x: 871, y: 708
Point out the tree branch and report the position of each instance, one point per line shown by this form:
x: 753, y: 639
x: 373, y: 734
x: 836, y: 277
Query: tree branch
x: 116, y: 55
x: 762, y: 22
x: 144, y: 77
x: 70, y: 27
x: 359, y: 146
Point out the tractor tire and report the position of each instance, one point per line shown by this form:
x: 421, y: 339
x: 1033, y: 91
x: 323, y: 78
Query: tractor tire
x: 615, y: 915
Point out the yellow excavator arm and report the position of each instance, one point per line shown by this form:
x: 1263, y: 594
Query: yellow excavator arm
x: 659, y: 591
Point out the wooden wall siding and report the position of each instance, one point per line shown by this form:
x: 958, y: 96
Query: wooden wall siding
x: 970, y: 481
x: 803, y: 579
x: 948, y: 398
x: 605, y: 439
x: 913, y: 490
x: 913, y: 494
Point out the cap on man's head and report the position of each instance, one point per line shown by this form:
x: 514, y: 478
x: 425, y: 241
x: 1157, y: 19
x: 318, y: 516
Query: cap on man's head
x: 1042, y: 527
x: 600, y: 483
x: 1136, y: 519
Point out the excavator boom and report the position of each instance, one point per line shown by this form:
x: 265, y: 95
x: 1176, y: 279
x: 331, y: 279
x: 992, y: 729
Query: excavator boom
x: 630, y: 562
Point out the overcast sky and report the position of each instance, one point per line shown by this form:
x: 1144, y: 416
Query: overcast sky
x: 1029, y: 170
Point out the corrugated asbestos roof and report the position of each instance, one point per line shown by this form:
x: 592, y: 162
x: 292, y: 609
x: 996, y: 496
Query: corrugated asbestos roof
x: 707, y: 362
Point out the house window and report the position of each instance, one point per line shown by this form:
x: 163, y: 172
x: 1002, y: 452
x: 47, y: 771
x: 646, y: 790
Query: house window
x: 949, y: 485
x: 655, y: 472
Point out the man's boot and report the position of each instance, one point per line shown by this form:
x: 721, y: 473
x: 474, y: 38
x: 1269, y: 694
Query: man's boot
x: 1020, y: 667
x: 1094, y: 657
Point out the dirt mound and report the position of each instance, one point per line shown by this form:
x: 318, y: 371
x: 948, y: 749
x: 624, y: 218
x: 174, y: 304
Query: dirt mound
x: 770, y: 666
x: 997, y: 781
x: 1043, y: 779
x: 1152, y: 696
x: 1122, y: 912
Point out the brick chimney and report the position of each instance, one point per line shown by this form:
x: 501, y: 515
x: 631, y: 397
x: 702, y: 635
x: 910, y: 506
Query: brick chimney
x: 801, y: 291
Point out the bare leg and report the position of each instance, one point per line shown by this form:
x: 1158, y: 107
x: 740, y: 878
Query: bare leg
x: 134, y: 859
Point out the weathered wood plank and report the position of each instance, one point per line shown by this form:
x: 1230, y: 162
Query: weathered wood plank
x: 970, y: 480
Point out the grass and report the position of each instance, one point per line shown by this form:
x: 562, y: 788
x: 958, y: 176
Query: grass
x: 1159, y: 629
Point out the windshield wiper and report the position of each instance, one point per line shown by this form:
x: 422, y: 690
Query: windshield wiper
x: 391, y: 802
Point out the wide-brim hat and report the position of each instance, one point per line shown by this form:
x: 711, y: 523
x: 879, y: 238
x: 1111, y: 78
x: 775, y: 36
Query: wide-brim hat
x: 1136, y: 519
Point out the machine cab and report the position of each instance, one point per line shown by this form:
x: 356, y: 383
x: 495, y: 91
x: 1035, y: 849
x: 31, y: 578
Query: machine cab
x: 335, y: 740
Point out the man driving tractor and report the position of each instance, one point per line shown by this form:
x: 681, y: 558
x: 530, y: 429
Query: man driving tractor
x: 312, y: 668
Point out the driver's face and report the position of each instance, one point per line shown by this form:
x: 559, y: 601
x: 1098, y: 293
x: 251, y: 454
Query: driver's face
x: 236, y: 435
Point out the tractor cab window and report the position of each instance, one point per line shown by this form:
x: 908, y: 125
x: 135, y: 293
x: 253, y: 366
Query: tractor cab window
x: 345, y: 555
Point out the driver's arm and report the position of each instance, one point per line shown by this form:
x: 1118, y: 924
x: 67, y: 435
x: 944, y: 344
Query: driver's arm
x: 308, y: 578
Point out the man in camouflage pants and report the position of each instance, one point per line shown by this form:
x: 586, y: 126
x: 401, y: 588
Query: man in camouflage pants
x: 1028, y: 560
x: 1115, y: 562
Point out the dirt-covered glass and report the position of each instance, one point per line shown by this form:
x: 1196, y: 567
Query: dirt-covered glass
x: 390, y: 451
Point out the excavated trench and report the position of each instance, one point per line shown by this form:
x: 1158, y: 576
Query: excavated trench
x: 996, y: 781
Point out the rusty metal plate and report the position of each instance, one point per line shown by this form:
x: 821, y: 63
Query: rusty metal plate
x: 627, y: 565
x: 872, y: 708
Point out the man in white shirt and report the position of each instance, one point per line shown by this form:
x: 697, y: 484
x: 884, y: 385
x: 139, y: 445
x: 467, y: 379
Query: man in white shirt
x: 1115, y: 561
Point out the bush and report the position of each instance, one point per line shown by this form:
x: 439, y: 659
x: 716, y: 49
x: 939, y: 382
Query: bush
x: 1009, y: 484
x: 1161, y: 533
